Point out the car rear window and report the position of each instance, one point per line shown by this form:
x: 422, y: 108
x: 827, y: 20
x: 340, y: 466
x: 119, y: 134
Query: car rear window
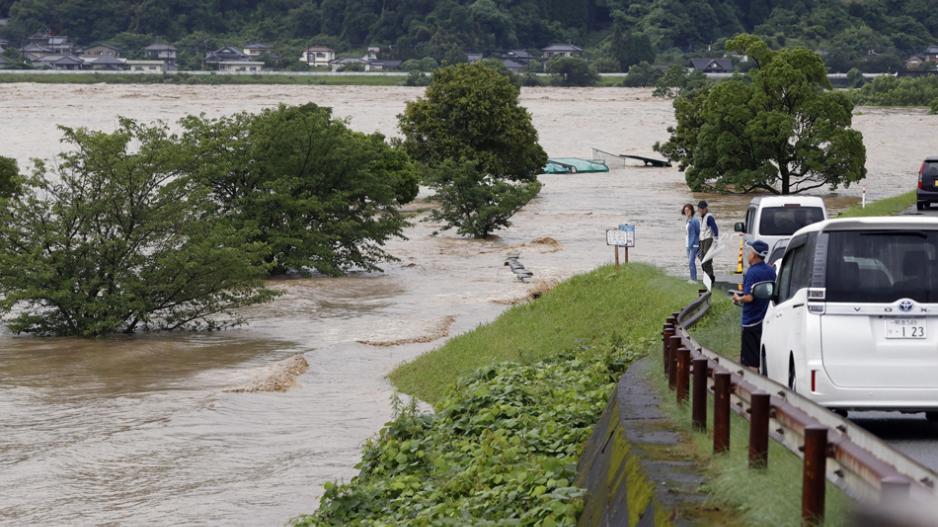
x: 784, y: 221
x: 882, y: 267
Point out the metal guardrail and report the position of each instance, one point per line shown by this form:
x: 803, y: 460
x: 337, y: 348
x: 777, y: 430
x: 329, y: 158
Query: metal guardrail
x: 832, y: 447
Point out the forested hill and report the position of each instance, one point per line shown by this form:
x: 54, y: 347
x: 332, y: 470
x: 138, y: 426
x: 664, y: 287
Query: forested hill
x: 854, y: 32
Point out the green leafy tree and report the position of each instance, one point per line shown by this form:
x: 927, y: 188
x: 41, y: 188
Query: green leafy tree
x: 114, y: 238
x: 572, y: 71
x: 783, y: 130
x: 319, y: 195
x: 678, y: 80
x: 641, y: 75
x: 630, y: 47
x: 933, y: 107
x: 10, y: 180
x: 477, y: 145
x: 855, y: 79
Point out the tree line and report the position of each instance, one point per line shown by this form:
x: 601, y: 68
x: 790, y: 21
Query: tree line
x: 144, y: 229
x: 873, y: 35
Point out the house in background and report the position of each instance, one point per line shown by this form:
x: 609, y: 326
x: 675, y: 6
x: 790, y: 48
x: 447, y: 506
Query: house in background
x: 59, y: 44
x: 318, y: 56
x: 914, y: 63
x: 346, y: 63
x: 382, y: 65
x: 711, y: 65
x: 225, y: 54
x: 472, y: 58
x: 59, y: 62
x: 256, y: 49
x: 100, y: 50
x: 514, y: 66
x: 561, y: 50
x: 241, y: 66
x: 931, y: 54
x: 521, y: 56
x: 146, y: 66
x: 159, y: 51
x: 34, y: 52
x: 105, y: 63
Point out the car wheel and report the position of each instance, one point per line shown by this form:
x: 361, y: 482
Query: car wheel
x: 791, y: 374
x: 919, y: 205
x: 932, y: 416
x: 764, y: 368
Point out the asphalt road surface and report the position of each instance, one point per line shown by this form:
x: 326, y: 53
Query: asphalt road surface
x: 931, y: 211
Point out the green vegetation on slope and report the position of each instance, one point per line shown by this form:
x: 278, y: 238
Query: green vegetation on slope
x: 516, y: 400
x: 581, y: 311
x: 884, y: 207
x: 873, y: 35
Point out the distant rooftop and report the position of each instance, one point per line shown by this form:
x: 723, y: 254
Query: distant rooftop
x: 563, y: 47
x: 160, y: 47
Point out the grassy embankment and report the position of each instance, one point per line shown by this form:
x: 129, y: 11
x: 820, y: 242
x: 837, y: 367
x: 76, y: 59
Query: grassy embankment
x: 93, y: 78
x: 516, y: 399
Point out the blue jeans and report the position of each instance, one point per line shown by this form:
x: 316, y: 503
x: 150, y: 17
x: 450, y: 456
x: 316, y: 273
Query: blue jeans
x: 692, y: 261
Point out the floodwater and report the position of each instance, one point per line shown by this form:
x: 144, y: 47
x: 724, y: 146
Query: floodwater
x: 147, y: 430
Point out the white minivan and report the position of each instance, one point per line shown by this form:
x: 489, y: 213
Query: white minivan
x: 774, y: 218
x: 853, y: 318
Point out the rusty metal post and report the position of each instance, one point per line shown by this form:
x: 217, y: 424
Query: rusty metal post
x: 699, y: 399
x: 759, y: 430
x: 721, y: 412
x: 672, y: 361
x: 815, y: 473
x: 894, y: 488
x: 683, y: 374
x: 666, y: 342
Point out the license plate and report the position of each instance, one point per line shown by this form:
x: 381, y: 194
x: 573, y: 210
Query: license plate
x: 905, y: 328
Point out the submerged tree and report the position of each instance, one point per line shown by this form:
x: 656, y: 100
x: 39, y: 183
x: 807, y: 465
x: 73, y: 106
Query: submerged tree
x: 781, y: 130
x: 112, y: 238
x: 316, y: 193
x: 478, y: 147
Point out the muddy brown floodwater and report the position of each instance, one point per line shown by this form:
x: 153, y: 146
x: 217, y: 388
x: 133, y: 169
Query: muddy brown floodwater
x: 158, y: 429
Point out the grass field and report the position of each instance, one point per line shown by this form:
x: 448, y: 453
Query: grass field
x: 93, y: 78
x: 585, y: 309
x: 884, y: 207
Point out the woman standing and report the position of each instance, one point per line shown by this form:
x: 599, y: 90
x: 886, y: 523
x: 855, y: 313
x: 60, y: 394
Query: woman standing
x: 691, y: 239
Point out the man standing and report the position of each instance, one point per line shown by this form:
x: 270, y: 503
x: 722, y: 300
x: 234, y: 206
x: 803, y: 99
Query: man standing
x: 708, y: 234
x: 753, y: 308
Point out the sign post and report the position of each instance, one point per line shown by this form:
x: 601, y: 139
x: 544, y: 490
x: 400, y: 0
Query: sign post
x: 624, y: 237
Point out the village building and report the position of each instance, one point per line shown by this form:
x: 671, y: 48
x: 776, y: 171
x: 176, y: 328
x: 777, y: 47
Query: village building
x: 225, y: 54
x: 36, y: 51
x: 159, y: 51
x: 318, y: 56
x: 514, y: 66
x: 346, y: 63
x: 241, y: 66
x: 914, y: 63
x: 59, y: 62
x: 521, y: 56
x: 561, y: 50
x: 382, y: 65
x: 58, y: 44
x: 256, y: 49
x: 100, y: 50
x: 146, y: 66
x: 472, y: 58
x: 931, y: 54
x: 706, y: 65
x: 105, y: 63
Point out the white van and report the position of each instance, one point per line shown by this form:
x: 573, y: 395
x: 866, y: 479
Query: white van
x: 853, y: 318
x: 774, y: 218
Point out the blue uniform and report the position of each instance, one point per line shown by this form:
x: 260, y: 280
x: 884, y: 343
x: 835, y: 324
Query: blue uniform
x: 754, y: 312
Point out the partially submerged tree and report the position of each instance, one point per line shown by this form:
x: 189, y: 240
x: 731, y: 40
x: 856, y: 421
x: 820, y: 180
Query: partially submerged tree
x: 319, y: 195
x: 478, y: 147
x: 572, y: 71
x: 112, y: 238
x: 10, y: 179
x: 781, y: 130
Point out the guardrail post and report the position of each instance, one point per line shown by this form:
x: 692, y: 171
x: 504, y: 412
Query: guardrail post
x: 666, y: 340
x: 699, y: 399
x: 683, y: 373
x: 815, y: 471
x: 672, y: 360
x: 721, y: 412
x: 894, y: 488
x: 759, y: 430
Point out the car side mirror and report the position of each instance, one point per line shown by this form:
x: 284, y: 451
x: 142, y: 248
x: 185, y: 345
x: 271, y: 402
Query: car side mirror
x: 739, y: 227
x: 764, y: 291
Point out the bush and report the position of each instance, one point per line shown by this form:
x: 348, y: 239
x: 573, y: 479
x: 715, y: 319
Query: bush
x: 503, y: 448
x: 641, y: 75
x: 606, y: 65
x: 416, y: 78
x: 933, y: 107
x: 897, y: 91
x: 572, y: 71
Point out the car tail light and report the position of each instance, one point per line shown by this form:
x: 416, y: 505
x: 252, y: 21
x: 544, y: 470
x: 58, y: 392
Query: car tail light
x: 813, y: 380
